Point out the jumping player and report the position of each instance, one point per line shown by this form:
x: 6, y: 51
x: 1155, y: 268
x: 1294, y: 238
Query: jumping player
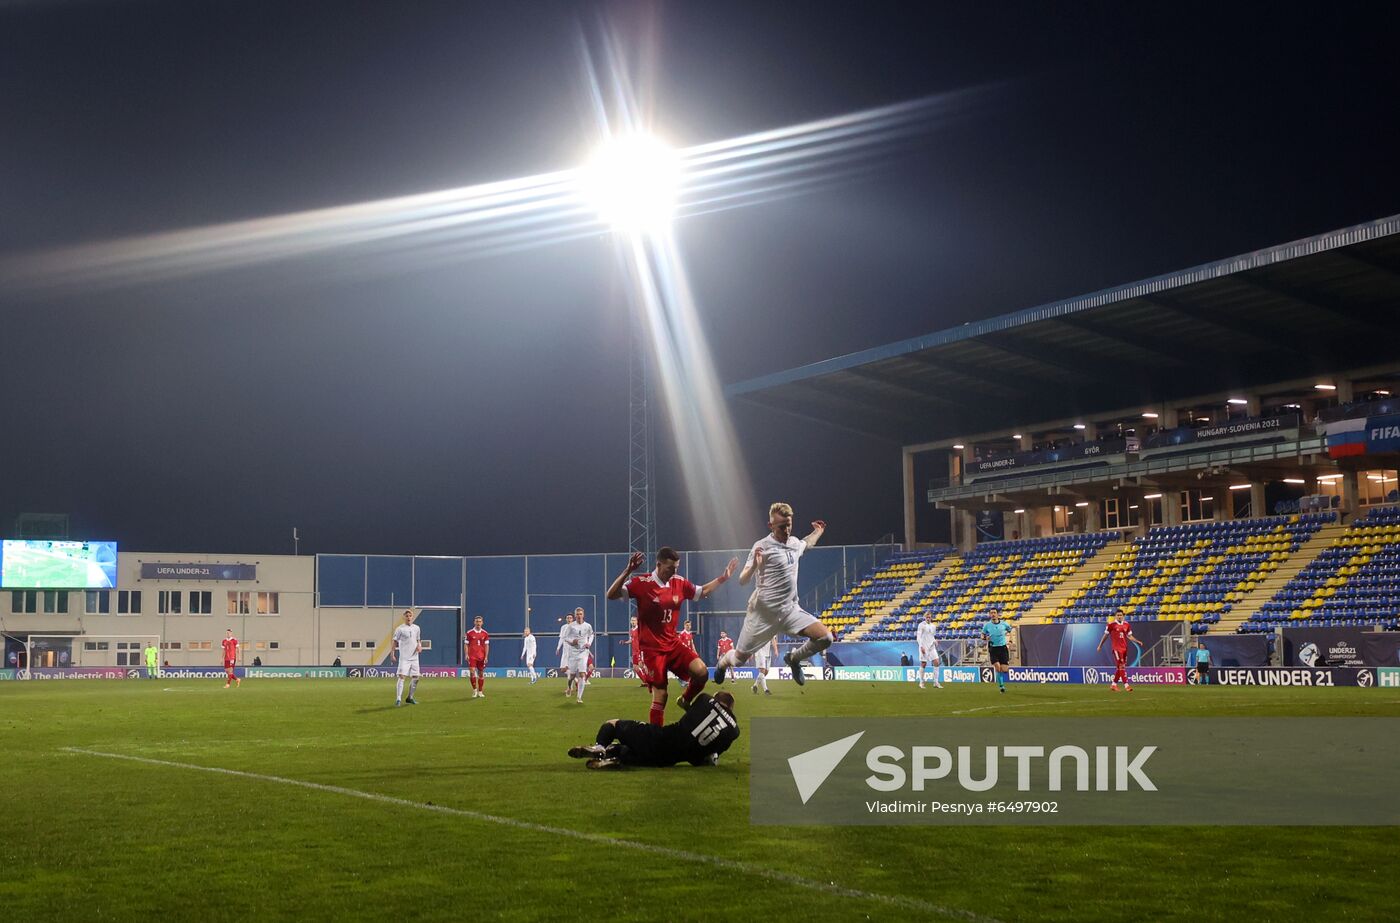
x: 998, y: 651
x: 478, y: 645
x: 230, y: 660
x: 773, y: 608
x: 407, y: 645
x: 762, y: 660
x: 705, y: 731
x: 527, y: 655
x: 659, y: 596
x: 1121, y: 633
x: 928, y: 650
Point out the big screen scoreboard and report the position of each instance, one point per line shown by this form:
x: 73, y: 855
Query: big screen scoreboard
x: 45, y: 564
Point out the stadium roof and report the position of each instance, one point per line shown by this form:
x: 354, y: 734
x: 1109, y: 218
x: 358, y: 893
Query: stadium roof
x: 1301, y: 308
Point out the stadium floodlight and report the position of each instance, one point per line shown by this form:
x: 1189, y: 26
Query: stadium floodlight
x: 1079, y: 426
x: 959, y: 447
x: 1294, y: 481
x: 1149, y: 415
x: 1325, y: 387
x: 1237, y: 400
x: 1329, y: 477
x: 1381, y: 393
x: 1151, y: 496
x: 633, y: 181
x: 1082, y: 503
x: 1018, y: 512
x: 1239, y: 487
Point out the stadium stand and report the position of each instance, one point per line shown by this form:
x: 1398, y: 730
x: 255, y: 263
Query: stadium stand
x: 889, y: 584
x: 1194, y: 572
x: 1354, y: 581
x: 1011, y: 576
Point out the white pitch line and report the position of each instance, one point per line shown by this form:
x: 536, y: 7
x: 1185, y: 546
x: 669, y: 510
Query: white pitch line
x: 968, y: 711
x: 732, y: 865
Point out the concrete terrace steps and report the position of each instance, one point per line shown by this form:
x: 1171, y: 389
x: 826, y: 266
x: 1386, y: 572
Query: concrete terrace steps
x: 1039, y: 614
x: 934, y: 572
x: 1268, y: 587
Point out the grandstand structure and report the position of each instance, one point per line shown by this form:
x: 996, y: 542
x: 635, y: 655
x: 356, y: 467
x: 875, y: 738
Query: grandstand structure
x: 1218, y: 445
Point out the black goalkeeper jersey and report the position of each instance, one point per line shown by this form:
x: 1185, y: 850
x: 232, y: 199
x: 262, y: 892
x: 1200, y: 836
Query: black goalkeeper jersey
x: 706, y: 731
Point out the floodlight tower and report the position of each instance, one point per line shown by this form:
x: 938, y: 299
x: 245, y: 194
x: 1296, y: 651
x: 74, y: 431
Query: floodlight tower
x: 632, y: 181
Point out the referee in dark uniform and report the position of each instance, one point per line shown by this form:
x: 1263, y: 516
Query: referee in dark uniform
x: 707, y: 730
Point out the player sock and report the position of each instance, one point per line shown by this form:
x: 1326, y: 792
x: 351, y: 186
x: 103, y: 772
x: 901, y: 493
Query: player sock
x: 692, y: 688
x: 763, y: 679
x: 481, y: 682
x: 412, y: 685
x: 1001, y: 679
x: 810, y: 647
x: 398, y: 690
x: 657, y: 715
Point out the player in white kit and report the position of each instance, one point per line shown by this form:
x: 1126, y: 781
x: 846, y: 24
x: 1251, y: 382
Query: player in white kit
x: 773, y: 607
x: 407, y: 645
x: 527, y: 655
x: 578, y: 642
x: 927, y: 635
x: 762, y: 661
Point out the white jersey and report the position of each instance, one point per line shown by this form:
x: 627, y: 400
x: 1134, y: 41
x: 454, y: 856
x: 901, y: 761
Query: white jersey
x: 775, y: 588
x: 527, y: 648
x: 927, y: 635
x: 576, y: 656
x: 406, y: 640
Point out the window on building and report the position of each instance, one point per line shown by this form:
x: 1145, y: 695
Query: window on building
x: 267, y: 604
x: 24, y: 601
x: 1197, y: 506
x: 340, y: 645
x: 168, y: 603
x: 170, y: 645
x: 355, y: 645
x: 201, y: 602
x: 1378, y: 486
x: 239, y: 602
x: 1061, y: 519
x: 128, y: 602
x: 427, y: 644
x: 56, y: 601
x: 99, y: 602
x: 273, y: 645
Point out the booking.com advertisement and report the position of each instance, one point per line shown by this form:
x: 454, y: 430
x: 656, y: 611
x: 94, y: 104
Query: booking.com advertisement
x: 1068, y: 771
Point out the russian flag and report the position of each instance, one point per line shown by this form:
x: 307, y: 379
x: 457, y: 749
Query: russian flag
x: 1345, y: 437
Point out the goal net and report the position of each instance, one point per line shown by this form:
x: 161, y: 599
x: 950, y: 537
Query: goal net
x: 51, y: 652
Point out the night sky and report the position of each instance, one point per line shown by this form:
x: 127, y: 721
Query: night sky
x: 480, y: 406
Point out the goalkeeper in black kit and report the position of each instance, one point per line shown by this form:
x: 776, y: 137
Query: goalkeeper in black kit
x: 706, y: 731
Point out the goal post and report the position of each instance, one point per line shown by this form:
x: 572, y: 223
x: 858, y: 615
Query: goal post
x: 91, y: 651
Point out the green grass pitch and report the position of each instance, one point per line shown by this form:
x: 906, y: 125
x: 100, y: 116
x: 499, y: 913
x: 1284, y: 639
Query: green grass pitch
x: 92, y: 838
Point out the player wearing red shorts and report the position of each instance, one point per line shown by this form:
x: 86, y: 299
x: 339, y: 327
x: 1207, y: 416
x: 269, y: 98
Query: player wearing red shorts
x: 1121, y: 633
x: 659, y: 596
x: 230, y: 660
x: 685, y: 637
x: 478, y: 644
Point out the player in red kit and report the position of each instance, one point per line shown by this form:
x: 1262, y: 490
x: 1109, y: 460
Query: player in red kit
x: 726, y: 644
x: 478, y: 644
x: 230, y: 660
x: 659, y: 597
x: 685, y: 637
x: 1121, y: 633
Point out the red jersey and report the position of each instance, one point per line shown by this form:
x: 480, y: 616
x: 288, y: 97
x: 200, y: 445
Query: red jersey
x: 686, y: 638
x: 632, y: 642
x: 477, y: 639
x: 1118, y: 632
x: 230, y: 649
x: 658, y: 604
x: 725, y: 646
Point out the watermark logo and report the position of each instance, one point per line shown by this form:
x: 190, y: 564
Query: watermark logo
x: 811, y: 769
x: 1115, y: 771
